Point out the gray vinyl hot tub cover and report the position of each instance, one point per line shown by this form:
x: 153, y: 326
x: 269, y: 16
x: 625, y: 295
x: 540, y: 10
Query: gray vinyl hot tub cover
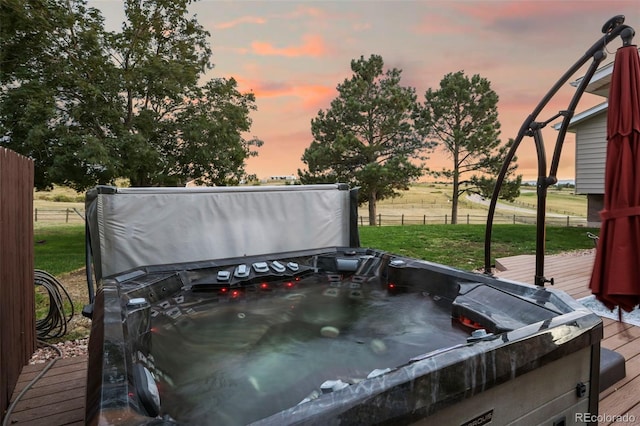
x: 134, y: 227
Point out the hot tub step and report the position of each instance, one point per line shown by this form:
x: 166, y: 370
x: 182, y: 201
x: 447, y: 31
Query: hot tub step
x: 612, y: 368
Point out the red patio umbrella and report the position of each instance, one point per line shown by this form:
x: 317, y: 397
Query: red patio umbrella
x: 615, y: 279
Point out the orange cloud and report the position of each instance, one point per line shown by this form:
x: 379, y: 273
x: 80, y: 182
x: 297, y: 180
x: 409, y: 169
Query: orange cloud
x: 312, y: 96
x: 239, y: 21
x: 313, y: 45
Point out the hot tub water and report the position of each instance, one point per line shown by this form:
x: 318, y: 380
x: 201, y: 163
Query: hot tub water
x: 234, y: 361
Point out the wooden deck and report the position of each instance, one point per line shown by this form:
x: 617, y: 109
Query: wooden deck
x: 58, y: 397
x: 571, y: 274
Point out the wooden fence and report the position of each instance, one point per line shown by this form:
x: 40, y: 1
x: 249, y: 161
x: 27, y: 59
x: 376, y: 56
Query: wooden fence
x: 67, y: 215
x: 17, y: 294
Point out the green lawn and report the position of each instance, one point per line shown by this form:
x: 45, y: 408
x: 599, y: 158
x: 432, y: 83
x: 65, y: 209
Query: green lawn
x: 59, y: 249
x: 462, y: 246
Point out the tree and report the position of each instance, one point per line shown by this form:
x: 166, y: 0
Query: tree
x: 90, y: 106
x: 462, y: 116
x: 368, y: 137
x: 58, y: 97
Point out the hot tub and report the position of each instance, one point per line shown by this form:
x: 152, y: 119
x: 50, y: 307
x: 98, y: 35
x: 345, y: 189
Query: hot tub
x: 319, y: 335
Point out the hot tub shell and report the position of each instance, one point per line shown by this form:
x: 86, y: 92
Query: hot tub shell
x: 538, y: 362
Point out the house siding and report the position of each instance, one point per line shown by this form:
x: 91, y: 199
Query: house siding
x: 591, y: 148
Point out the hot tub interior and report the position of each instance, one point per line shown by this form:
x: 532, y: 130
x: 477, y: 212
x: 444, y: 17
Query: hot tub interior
x: 241, y: 339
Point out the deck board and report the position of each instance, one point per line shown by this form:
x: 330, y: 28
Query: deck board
x: 55, y: 399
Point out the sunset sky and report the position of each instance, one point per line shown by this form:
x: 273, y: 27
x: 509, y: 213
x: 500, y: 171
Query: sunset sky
x: 292, y: 55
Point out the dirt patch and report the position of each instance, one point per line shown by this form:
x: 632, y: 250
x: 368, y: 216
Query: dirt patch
x: 75, y: 283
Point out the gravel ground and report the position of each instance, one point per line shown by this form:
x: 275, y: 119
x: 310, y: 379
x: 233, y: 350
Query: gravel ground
x: 68, y: 349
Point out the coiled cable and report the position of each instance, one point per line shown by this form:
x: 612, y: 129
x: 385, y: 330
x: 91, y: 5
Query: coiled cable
x: 54, y: 324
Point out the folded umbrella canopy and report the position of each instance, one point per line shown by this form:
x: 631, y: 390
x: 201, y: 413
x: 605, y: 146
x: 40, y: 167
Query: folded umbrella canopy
x: 615, y: 279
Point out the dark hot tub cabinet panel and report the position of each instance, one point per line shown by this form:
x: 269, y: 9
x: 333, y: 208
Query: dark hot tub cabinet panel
x: 272, y: 333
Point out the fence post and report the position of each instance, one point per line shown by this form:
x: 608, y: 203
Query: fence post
x: 445, y: 219
x: 424, y: 219
x: 402, y: 220
x: 567, y: 221
x: 467, y: 218
x: 36, y: 215
x: 379, y: 219
x: 66, y: 219
x: 514, y: 219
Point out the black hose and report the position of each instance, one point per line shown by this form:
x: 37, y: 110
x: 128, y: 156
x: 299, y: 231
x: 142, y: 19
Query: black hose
x: 54, y: 324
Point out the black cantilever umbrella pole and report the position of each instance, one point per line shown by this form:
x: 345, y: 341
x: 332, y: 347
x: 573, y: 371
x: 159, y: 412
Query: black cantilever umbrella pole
x: 613, y: 28
x: 544, y: 180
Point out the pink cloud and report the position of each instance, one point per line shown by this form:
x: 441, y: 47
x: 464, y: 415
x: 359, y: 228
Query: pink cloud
x: 439, y: 24
x: 535, y: 17
x: 301, y: 11
x: 491, y: 12
x: 313, y: 45
x: 239, y: 21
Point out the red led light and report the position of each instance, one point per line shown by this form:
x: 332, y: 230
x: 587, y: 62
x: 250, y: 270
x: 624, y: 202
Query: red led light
x: 235, y: 293
x: 153, y: 329
x: 392, y: 285
x: 297, y: 278
x: 288, y: 284
x: 224, y: 290
x: 469, y: 322
x: 264, y: 286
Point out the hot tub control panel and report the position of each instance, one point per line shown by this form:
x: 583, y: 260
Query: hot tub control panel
x: 267, y: 274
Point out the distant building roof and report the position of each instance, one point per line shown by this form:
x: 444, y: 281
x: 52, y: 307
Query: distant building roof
x: 599, y: 84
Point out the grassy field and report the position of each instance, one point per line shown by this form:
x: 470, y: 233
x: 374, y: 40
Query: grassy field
x: 563, y: 201
x: 434, y: 199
